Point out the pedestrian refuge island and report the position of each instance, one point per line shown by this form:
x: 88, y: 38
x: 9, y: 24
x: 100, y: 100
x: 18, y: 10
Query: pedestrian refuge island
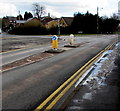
x: 55, y: 48
x: 71, y: 42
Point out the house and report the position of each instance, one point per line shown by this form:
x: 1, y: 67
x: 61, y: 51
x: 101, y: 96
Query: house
x: 46, y: 19
x: 32, y: 22
x: 63, y: 22
x: 66, y: 21
x: 118, y: 28
x: 8, y: 20
x: 20, y: 22
x: 51, y: 24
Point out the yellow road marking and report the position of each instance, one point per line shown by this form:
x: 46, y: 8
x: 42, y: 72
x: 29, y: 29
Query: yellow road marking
x: 66, y: 82
x: 20, y: 49
x: 69, y: 86
x: 89, y: 63
x: 16, y: 50
x: 109, y: 46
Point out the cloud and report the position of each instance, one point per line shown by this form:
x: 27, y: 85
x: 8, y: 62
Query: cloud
x: 8, y: 9
x: 53, y: 13
x: 69, y: 7
x: 62, y: 7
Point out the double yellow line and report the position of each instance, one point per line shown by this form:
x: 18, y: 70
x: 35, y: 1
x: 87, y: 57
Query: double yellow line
x: 71, y: 81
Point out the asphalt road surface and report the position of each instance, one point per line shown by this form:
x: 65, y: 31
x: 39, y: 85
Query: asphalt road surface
x: 101, y: 90
x: 26, y: 87
x: 30, y: 45
x: 18, y: 47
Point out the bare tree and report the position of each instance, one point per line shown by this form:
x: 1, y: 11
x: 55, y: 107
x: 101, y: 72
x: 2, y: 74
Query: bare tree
x: 39, y: 10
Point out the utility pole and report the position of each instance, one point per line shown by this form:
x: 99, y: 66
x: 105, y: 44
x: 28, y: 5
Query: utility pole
x: 19, y: 17
x: 97, y: 20
x: 59, y: 27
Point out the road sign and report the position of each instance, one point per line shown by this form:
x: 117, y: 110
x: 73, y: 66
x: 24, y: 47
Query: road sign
x: 54, y: 37
x: 54, y: 42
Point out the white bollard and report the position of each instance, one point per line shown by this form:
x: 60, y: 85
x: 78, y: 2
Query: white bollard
x: 71, y: 39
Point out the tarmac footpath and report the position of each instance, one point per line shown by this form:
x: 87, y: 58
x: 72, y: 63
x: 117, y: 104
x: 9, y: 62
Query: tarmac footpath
x: 101, y: 91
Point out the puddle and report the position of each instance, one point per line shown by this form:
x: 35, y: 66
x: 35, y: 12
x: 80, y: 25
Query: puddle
x: 77, y: 101
x: 75, y: 108
x: 103, y: 84
x: 87, y: 96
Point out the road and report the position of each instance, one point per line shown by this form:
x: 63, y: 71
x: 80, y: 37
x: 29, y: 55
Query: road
x: 14, y: 55
x: 26, y: 87
x: 30, y: 45
x: 22, y: 46
x: 100, y: 90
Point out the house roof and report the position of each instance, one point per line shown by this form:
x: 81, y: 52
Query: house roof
x: 10, y: 18
x: 31, y: 19
x: 46, y: 20
x: 24, y: 21
x: 68, y: 20
x: 21, y: 21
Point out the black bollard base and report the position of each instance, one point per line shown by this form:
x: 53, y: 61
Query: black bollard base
x: 72, y: 46
x: 55, y: 51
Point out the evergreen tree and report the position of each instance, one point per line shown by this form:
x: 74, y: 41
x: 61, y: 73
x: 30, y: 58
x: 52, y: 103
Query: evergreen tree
x: 19, y: 17
x: 87, y: 23
x: 27, y: 15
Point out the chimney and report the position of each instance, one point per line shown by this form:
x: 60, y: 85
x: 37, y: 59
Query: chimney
x: 48, y: 14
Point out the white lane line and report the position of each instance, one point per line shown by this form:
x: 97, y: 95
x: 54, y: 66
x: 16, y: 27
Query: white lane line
x: 4, y: 56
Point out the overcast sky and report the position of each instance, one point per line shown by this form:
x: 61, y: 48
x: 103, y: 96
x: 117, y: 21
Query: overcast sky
x: 59, y: 8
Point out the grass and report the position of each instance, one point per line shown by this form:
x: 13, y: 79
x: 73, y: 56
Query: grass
x: 76, y: 35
